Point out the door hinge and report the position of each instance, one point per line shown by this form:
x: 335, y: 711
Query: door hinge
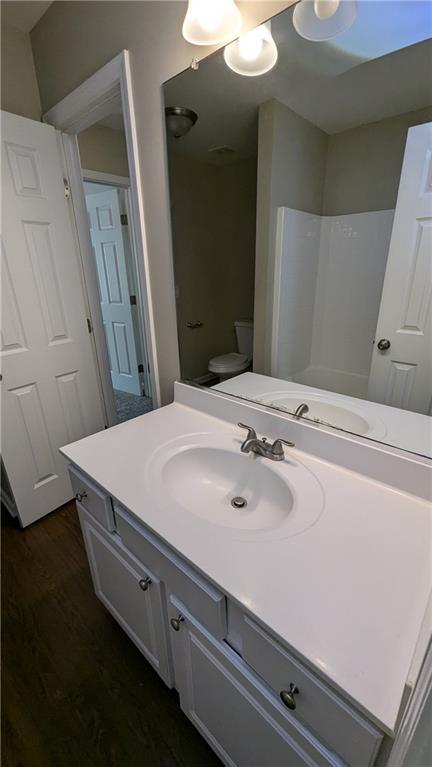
x: 123, y: 219
x: 67, y: 191
x: 133, y: 300
x: 140, y: 368
x: 89, y: 325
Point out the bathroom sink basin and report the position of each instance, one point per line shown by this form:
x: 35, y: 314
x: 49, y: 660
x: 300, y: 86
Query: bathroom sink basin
x: 208, y: 476
x: 234, y: 489
x: 327, y: 410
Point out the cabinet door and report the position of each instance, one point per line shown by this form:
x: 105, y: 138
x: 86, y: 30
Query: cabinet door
x: 232, y: 710
x: 131, y: 593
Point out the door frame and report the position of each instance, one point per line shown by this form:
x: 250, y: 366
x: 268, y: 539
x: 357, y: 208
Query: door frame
x: 97, y: 97
x: 123, y: 182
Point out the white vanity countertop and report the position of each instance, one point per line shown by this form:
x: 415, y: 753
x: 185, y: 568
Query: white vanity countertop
x: 348, y: 594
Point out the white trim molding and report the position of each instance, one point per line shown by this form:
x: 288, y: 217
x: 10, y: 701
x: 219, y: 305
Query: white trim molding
x: 98, y: 177
x: 104, y: 92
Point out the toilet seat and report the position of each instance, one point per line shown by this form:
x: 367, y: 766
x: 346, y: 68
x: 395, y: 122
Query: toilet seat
x: 229, y: 363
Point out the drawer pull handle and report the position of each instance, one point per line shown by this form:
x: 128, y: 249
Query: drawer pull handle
x: 144, y: 583
x: 287, y: 696
x: 81, y: 495
x: 176, y: 622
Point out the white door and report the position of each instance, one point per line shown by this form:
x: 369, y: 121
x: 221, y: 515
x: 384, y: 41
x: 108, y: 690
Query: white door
x: 401, y: 372
x: 50, y: 393
x: 107, y: 239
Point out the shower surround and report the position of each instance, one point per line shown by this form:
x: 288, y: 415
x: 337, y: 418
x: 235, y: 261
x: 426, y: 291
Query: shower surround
x: 329, y: 273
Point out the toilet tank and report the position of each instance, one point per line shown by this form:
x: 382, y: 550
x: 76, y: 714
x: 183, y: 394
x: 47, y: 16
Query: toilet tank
x: 244, y: 333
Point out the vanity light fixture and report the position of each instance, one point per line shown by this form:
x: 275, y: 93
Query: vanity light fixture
x: 318, y: 20
x: 179, y: 120
x: 208, y: 22
x: 253, y: 53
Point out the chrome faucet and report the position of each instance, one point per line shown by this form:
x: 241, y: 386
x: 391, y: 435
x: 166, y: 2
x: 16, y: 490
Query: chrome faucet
x: 252, y: 444
x: 301, y: 410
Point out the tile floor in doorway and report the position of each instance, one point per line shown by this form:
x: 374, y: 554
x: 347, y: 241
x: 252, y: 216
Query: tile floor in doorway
x: 131, y: 405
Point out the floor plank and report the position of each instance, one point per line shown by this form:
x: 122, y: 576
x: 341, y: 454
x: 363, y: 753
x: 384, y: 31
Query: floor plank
x: 75, y: 690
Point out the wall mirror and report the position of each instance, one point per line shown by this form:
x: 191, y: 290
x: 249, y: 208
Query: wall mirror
x: 301, y: 204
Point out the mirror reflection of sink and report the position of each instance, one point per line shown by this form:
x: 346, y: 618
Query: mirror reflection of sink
x: 324, y: 409
x: 207, y: 476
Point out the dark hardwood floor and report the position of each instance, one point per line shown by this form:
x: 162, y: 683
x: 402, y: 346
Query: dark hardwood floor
x: 75, y: 690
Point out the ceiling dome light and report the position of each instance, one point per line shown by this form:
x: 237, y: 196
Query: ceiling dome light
x: 324, y: 9
x: 254, y: 53
x: 318, y: 20
x: 179, y: 120
x: 208, y: 22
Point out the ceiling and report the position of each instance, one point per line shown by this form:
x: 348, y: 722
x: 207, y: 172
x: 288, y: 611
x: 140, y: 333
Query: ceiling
x: 336, y: 85
x: 22, y: 14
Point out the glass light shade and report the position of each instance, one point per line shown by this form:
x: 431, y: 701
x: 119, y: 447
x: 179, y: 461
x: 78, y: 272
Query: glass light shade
x: 254, y: 53
x: 208, y: 22
x: 179, y: 120
x: 334, y: 18
x: 325, y: 8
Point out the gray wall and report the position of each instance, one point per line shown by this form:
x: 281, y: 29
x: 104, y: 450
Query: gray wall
x: 213, y: 213
x: 72, y: 41
x: 291, y: 172
x: 364, y: 164
x: 19, y: 88
x: 103, y: 149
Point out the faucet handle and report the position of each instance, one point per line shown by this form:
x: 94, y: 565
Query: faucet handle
x: 251, y: 432
x: 277, y: 448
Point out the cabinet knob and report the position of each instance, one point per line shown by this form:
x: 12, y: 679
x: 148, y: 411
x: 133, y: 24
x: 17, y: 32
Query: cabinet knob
x: 176, y: 622
x: 81, y: 495
x: 144, y: 583
x: 287, y: 696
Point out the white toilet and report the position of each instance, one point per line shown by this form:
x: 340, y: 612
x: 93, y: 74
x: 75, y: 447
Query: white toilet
x: 229, y: 365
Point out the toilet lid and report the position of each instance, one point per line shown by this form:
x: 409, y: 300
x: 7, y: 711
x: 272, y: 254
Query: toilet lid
x: 230, y: 361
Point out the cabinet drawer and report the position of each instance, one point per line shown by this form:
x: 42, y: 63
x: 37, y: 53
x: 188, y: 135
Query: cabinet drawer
x: 317, y: 706
x: 93, y: 498
x: 199, y: 596
x: 233, y: 710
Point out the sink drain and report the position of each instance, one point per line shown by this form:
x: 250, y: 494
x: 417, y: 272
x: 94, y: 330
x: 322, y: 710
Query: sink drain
x: 238, y: 502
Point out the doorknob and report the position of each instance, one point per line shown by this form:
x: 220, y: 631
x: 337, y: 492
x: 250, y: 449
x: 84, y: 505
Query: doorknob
x: 383, y: 344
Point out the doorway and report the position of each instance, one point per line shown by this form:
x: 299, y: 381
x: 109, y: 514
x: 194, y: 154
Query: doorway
x: 99, y: 145
x: 113, y: 244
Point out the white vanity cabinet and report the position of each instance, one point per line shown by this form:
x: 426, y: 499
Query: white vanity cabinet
x: 233, y: 696
x: 231, y: 707
x: 92, y: 498
x: 130, y: 591
x: 318, y: 707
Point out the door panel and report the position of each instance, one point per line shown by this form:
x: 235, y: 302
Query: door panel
x: 50, y: 393
x: 401, y: 375
x: 107, y: 239
x: 118, y: 579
